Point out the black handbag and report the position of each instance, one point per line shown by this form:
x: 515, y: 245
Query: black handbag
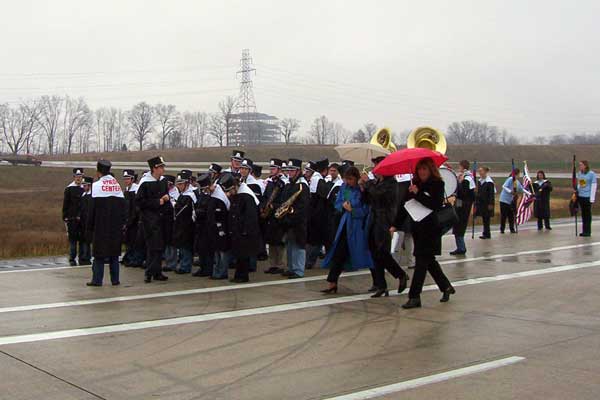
x: 446, y: 216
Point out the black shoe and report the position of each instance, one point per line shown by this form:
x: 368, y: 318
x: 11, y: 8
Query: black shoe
x: 446, y: 296
x: 287, y: 274
x: 116, y: 283
x: 93, y: 284
x: 331, y: 290
x: 147, y: 279
x: 273, y: 270
x: 585, y: 235
x: 373, y: 289
x: 502, y: 232
x: 309, y: 266
x: 548, y: 228
x: 168, y: 269
x: 239, y: 280
x: 294, y: 276
x: 161, y: 277
x: 402, y: 283
x: 380, y: 292
x: 180, y: 272
x: 85, y: 263
x: 458, y: 253
x: 72, y: 263
x: 412, y: 303
x: 513, y: 231
x: 486, y: 237
x: 411, y: 266
x: 201, y: 273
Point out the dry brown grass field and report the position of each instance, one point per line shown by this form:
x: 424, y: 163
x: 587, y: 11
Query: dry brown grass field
x: 31, y: 201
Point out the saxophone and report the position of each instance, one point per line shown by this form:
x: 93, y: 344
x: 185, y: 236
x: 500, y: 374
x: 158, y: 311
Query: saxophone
x: 266, y: 211
x: 287, y: 207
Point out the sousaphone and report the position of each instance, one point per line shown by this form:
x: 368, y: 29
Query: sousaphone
x: 427, y: 138
x: 383, y: 138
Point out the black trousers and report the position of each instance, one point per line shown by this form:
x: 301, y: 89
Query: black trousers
x: 486, y: 219
x: 339, y: 258
x: 422, y: 265
x: 383, y: 260
x: 586, y: 215
x: 507, y: 211
x: 154, y: 262
x: 543, y: 222
x: 242, y: 268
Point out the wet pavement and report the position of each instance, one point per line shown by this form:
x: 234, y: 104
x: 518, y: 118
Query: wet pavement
x: 530, y: 298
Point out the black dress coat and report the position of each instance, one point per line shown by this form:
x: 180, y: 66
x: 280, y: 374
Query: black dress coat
x: 296, y: 223
x: 317, y: 215
x: 385, y: 200
x: 133, y: 219
x: 427, y: 235
x: 71, y: 211
x: 86, y: 204
x: 273, y: 229
x: 202, y: 244
x: 465, y: 198
x: 218, y: 225
x: 333, y: 215
x: 244, y: 229
x: 183, y: 227
x: 105, y: 225
x: 485, y: 199
x: 157, y: 220
x: 542, y: 199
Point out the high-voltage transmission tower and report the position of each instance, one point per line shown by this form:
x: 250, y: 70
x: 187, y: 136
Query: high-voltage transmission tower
x: 246, y: 105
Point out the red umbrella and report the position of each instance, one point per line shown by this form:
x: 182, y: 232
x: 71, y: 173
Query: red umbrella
x: 404, y: 161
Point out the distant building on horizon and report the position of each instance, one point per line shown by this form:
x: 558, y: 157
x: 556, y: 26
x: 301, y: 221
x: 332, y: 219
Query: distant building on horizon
x: 254, y: 128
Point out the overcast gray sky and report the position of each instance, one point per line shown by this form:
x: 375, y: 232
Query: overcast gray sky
x: 529, y: 66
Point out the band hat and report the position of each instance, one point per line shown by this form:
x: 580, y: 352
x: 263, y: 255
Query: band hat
x: 348, y: 162
x: 275, y: 163
x: 88, y: 180
x: 284, y: 166
x: 204, y: 181
x: 183, y: 176
x: 77, y: 171
x: 128, y: 173
x: 322, y: 164
x: 156, y: 162
x: 227, y: 181
x: 311, y: 166
x: 216, y: 168
x: 294, y: 163
x: 188, y: 172
x: 247, y: 163
x: 103, y: 166
x: 238, y: 155
x: 169, y: 178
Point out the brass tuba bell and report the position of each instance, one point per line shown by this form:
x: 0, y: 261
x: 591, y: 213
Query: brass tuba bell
x: 383, y: 138
x: 428, y: 138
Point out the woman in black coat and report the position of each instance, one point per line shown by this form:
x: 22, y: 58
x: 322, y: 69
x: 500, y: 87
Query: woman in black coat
x: 485, y: 199
x: 427, y: 189
x: 542, y: 188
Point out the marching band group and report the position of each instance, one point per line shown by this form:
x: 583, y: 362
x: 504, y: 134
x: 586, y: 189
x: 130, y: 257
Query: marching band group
x: 230, y: 218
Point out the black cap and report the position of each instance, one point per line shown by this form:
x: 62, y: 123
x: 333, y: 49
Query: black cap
x: 183, y: 176
x: 322, y: 164
x: 156, y: 162
x: 215, y: 168
x: 77, y: 171
x: 128, y: 173
x: 311, y: 166
x: 187, y: 172
x: 257, y: 170
x: 247, y: 163
x: 88, y: 180
x: 294, y: 163
x: 237, y: 155
x: 377, y: 160
x: 103, y: 166
x: 275, y: 162
x: 348, y: 162
x: 170, y: 178
x: 227, y: 181
x: 204, y: 181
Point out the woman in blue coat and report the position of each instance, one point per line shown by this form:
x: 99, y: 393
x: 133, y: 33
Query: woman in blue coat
x: 350, y: 249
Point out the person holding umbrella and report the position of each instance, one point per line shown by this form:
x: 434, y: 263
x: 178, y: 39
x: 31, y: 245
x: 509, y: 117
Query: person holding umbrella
x: 427, y: 188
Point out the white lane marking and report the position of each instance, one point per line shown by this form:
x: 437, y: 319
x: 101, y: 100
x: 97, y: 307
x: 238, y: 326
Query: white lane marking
x: 36, y: 337
x: 74, y: 303
x: 428, y: 380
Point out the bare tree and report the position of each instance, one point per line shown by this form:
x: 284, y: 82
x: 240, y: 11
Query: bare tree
x: 363, y: 135
x: 12, y: 127
x: 321, y: 130
x: 217, y: 129
x: 49, y: 119
x: 141, y: 119
x: 339, y: 134
x: 226, y: 112
x: 77, y: 115
x: 288, y: 127
x: 198, y: 128
x: 167, y: 118
x: 474, y: 132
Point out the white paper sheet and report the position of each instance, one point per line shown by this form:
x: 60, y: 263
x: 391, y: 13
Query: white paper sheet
x: 416, y: 210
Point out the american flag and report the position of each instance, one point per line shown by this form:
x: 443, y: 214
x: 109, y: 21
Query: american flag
x: 525, y: 206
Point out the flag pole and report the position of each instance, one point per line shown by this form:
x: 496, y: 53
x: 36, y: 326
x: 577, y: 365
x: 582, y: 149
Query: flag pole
x: 574, y: 203
x: 474, y: 205
x: 514, y: 193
